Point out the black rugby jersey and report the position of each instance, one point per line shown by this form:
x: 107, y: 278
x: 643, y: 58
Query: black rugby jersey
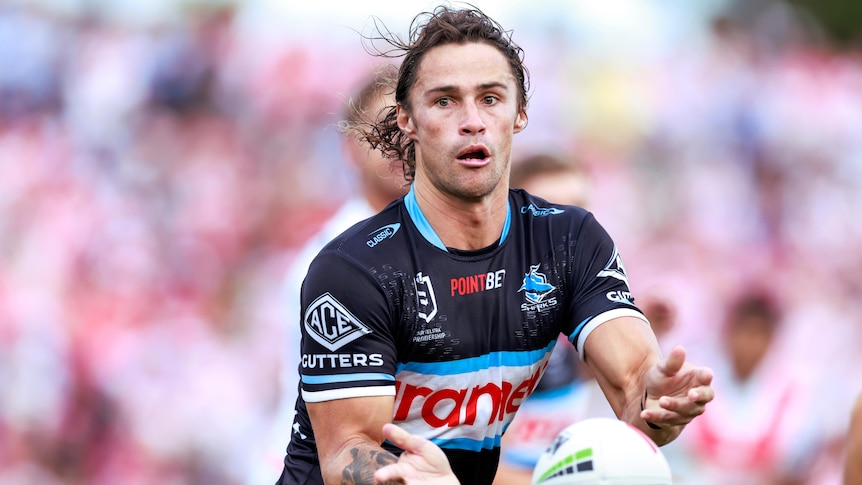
x: 459, y: 338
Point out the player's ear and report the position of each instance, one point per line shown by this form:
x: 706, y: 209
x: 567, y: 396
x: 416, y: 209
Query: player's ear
x: 405, y: 122
x: 521, y: 121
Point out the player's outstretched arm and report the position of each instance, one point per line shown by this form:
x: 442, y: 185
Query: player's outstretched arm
x: 657, y: 395
x: 348, y: 437
x: 422, y: 462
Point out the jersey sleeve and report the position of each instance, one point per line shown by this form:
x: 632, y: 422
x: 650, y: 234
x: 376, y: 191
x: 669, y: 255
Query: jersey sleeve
x: 347, y: 346
x: 601, y: 287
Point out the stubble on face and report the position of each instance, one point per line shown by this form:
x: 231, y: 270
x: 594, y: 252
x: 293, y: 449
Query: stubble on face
x: 465, y: 97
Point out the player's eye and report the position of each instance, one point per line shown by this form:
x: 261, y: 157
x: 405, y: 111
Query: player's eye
x: 443, y: 102
x: 489, y: 100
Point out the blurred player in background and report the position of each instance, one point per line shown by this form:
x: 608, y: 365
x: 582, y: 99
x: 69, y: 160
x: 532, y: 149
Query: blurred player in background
x: 754, y: 433
x: 556, y: 177
x: 379, y: 182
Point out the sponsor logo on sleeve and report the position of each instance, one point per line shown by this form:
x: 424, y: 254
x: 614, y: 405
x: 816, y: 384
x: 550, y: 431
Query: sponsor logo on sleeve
x: 379, y: 235
x: 614, y: 268
x: 541, y: 211
x: 341, y: 361
x: 620, y: 296
x: 331, y: 324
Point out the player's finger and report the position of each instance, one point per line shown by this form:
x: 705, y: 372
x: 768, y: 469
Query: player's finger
x: 704, y: 376
x: 401, y: 438
x: 701, y: 395
x: 673, y: 411
x: 389, y: 474
x: 674, y: 361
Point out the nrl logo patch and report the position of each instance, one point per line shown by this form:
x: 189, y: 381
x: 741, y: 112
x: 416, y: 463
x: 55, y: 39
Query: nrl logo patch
x: 425, y: 297
x: 331, y: 324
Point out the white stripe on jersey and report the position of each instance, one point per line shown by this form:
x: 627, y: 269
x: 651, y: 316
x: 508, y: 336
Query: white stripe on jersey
x: 321, y: 396
x: 603, y: 318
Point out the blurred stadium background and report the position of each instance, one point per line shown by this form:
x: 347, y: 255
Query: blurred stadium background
x: 161, y: 161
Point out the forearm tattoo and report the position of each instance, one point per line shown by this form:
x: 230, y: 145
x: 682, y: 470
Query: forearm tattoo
x: 365, y: 462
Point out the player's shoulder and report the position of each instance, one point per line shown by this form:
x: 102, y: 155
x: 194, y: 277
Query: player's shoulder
x: 370, y: 235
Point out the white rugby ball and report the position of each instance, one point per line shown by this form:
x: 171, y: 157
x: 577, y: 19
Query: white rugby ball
x: 602, y: 451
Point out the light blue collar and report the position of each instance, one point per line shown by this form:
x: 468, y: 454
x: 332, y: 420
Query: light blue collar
x: 428, y: 232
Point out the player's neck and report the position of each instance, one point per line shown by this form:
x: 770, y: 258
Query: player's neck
x: 463, y: 224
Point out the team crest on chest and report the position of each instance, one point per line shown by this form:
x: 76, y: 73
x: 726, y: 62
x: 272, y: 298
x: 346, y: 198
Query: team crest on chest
x: 536, y: 290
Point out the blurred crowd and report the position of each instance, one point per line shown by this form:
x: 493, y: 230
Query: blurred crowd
x: 155, y: 181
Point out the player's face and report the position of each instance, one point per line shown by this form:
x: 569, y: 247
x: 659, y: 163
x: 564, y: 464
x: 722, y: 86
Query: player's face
x: 463, y: 113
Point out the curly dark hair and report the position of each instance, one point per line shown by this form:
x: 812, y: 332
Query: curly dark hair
x: 444, y: 25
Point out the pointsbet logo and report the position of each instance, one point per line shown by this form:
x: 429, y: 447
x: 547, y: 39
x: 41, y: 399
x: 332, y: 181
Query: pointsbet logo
x: 467, y: 285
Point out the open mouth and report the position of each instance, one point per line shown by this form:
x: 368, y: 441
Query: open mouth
x: 474, y: 153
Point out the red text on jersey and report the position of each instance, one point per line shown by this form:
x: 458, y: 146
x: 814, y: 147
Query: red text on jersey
x: 466, y: 285
x: 506, y: 398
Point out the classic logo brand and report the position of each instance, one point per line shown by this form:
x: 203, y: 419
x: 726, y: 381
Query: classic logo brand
x: 331, y: 324
x: 425, y: 297
x: 541, y: 211
x: 382, y: 234
x: 614, y: 268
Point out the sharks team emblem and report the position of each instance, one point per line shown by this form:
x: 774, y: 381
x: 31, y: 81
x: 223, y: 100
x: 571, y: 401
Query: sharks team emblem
x: 535, y: 286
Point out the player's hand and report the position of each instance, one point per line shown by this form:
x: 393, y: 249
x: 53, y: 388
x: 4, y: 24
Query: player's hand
x: 676, y: 391
x: 421, y: 462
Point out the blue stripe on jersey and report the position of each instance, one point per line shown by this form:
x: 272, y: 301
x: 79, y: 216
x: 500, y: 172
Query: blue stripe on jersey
x: 468, y: 444
x: 421, y: 222
x: 428, y: 232
x: 335, y: 378
x: 577, y: 331
x: 508, y: 223
x: 482, y: 362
